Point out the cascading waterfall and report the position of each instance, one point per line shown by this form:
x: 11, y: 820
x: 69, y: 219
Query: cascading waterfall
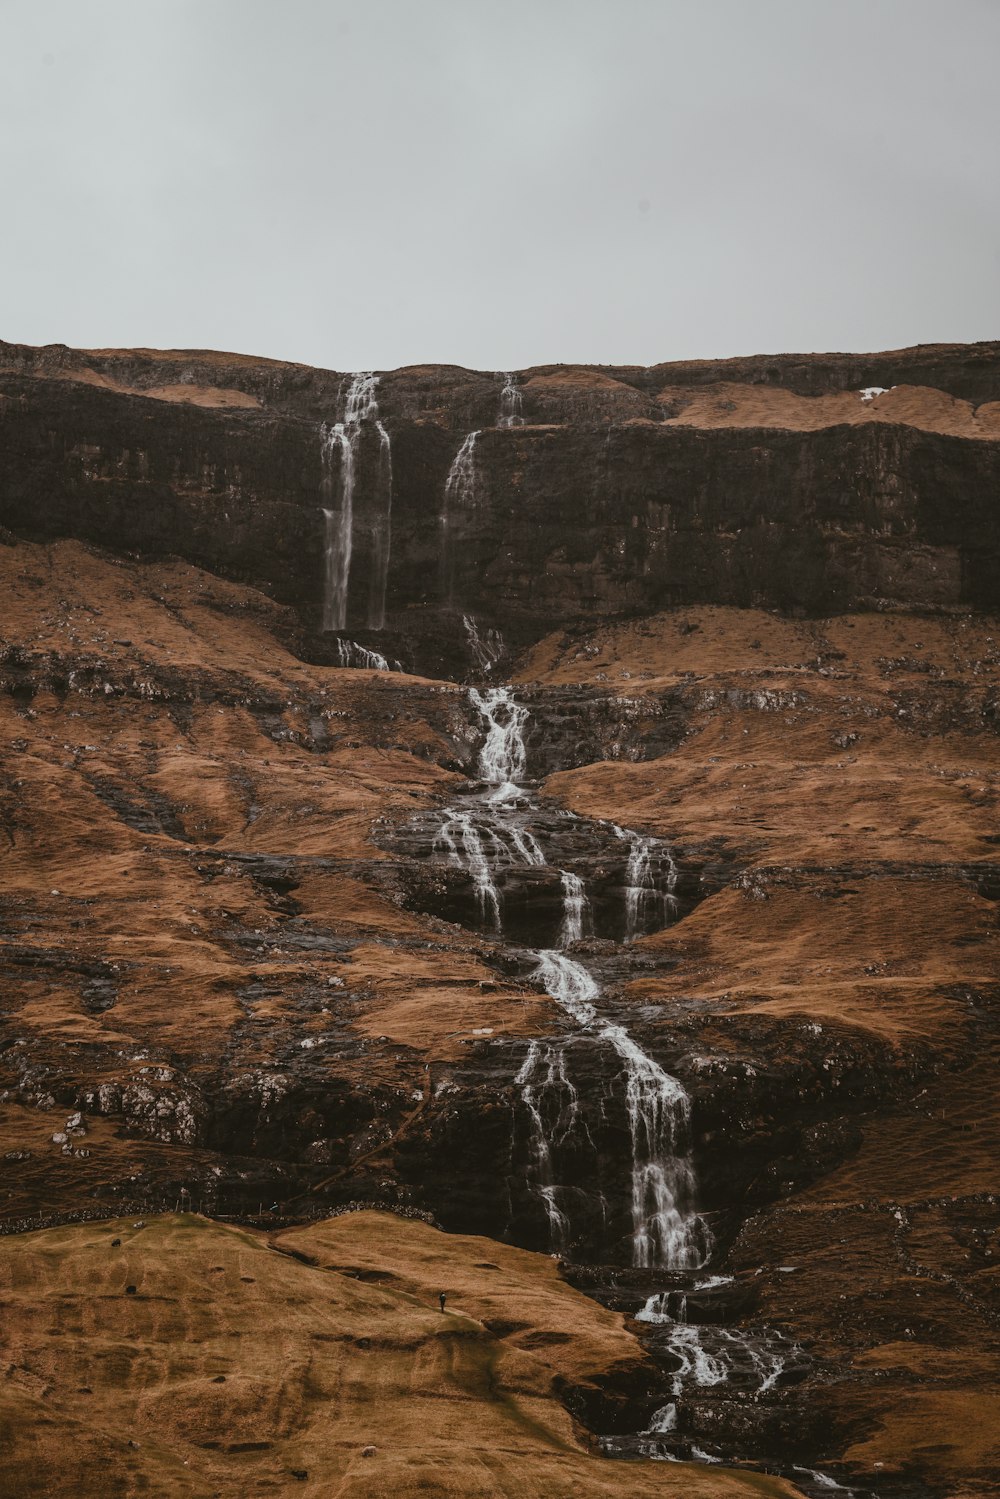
x: 485, y: 651
x: 707, y: 1356
x: 462, y: 845
x: 647, y: 900
x: 479, y: 851
x: 511, y: 403
x: 671, y: 1306
x: 666, y: 1231
x: 665, y: 1228
x: 527, y: 846
x: 344, y: 437
x: 576, y: 910
x: 349, y: 653
x: 485, y: 836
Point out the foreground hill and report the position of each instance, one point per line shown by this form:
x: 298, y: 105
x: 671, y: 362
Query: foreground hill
x: 240, y: 1364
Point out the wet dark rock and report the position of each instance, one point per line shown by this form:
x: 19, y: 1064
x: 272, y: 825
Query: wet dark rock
x: 596, y: 514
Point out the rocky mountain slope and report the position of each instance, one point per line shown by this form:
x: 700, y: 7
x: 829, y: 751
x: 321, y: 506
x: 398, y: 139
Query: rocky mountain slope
x: 272, y: 919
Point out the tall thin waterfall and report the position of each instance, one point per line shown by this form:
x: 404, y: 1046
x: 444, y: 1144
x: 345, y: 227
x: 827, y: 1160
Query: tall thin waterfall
x: 339, y: 524
x: 485, y: 650
x: 576, y: 909
x: 344, y: 438
x: 460, y: 485
x: 459, y: 494
x: 542, y: 1079
x: 511, y: 403
x: 382, y: 534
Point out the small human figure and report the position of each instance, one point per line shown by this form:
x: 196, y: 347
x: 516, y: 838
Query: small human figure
x: 441, y: 1298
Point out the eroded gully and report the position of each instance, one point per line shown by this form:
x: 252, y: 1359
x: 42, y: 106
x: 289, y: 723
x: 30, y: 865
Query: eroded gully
x: 634, y: 1237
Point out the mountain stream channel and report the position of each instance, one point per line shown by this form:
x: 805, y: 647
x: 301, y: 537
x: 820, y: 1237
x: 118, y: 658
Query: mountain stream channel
x: 640, y: 1245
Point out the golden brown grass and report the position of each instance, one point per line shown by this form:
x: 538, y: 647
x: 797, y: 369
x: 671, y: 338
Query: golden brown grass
x: 237, y: 1369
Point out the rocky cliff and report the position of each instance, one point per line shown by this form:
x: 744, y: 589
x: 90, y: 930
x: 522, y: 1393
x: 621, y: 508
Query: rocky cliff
x: 813, y: 485
x: 272, y: 912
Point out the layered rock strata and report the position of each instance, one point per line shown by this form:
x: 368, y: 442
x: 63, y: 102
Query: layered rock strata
x: 611, y: 491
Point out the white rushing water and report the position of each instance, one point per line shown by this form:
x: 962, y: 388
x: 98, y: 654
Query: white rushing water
x: 576, y: 910
x: 343, y: 438
x: 480, y: 848
x: 339, y: 525
x: 544, y: 1082
x: 823, y: 1480
x: 671, y: 1306
x: 664, y: 1308
x: 666, y: 1230
x: 350, y: 653
x: 485, y: 650
x: 461, y: 842
x: 705, y: 1356
x: 381, y: 534
x: 459, y: 495
x: 664, y: 1420
x: 503, y: 758
x: 511, y: 403
x: 648, y: 901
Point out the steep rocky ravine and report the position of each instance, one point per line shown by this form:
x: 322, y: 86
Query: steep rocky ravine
x: 250, y: 954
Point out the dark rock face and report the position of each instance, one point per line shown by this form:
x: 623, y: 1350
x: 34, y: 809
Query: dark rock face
x: 596, y: 508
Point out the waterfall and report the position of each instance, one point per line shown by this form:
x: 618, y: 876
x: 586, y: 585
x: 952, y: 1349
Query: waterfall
x: 526, y: 845
x: 459, y: 494
x: 665, y: 1229
x: 511, y: 403
x: 478, y: 850
x: 503, y: 757
x: 576, y: 909
x: 646, y: 901
x: 344, y: 438
x: 381, y: 535
x: 570, y: 984
x: 339, y: 524
x: 486, y: 653
x: 664, y: 1308
x: 460, y: 841
x: 349, y: 653
x: 460, y: 485
x: 543, y: 1081
x: 707, y: 1356
x: 671, y: 1306
x: 665, y: 1419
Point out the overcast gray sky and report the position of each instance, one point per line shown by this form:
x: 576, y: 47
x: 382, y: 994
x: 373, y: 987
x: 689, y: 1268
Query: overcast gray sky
x: 499, y: 183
